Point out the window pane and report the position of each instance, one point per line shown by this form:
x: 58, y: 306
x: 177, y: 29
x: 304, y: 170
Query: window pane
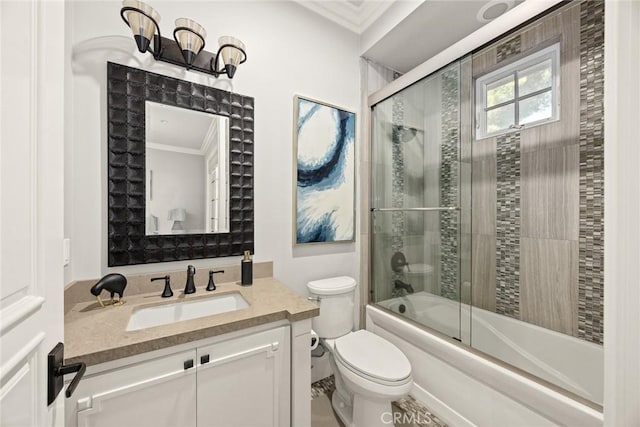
x: 535, y: 108
x: 534, y: 78
x: 500, y: 91
x: 500, y: 118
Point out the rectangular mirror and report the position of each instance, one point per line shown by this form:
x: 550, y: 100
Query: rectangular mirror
x: 180, y: 169
x: 186, y: 171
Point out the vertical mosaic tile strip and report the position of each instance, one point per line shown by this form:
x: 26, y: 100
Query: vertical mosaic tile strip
x: 509, y: 48
x: 591, y: 234
x: 397, y: 183
x: 508, y: 225
x: 449, y: 185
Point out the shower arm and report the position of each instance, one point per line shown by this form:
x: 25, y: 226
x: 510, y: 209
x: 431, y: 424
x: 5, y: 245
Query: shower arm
x: 445, y: 208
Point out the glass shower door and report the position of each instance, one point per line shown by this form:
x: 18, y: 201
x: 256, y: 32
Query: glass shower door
x: 415, y: 215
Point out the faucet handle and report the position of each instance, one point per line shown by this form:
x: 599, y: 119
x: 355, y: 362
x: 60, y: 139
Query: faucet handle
x: 211, y: 286
x: 167, y: 292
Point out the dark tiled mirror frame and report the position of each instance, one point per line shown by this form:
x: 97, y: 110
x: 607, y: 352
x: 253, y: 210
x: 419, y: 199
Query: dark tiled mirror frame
x: 127, y: 90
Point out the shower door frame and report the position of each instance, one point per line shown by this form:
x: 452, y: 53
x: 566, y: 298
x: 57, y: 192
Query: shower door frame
x: 510, y: 22
x: 464, y: 333
x: 621, y: 348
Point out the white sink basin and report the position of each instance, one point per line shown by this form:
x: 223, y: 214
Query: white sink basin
x: 185, y: 310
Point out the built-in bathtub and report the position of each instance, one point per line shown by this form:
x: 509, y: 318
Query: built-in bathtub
x: 476, y: 389
x: 571, y: 363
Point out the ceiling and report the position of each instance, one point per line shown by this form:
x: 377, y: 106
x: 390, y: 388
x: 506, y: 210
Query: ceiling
x: 176, y: 127
x: 355, y: 15
x: 432, y: 27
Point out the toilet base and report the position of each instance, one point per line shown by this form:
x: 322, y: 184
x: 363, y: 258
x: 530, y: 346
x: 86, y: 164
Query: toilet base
x: 364, y: 412
x: 343, y: 409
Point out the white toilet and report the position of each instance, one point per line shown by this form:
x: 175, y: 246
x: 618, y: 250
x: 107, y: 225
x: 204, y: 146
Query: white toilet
x: 370, y: 372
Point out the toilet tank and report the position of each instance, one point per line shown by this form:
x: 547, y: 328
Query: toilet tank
x: 336, y: 299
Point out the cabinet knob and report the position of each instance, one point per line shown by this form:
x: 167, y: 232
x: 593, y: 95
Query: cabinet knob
x: 188, y: 364
x: 204, y: 359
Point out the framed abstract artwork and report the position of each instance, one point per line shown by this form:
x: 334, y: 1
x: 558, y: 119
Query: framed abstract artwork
x: 324, y: 166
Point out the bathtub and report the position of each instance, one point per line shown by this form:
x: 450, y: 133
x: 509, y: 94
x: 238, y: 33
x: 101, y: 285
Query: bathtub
x: 569, y: 363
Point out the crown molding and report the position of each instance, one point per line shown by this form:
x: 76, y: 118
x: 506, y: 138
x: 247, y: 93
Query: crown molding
x: 355, y: 18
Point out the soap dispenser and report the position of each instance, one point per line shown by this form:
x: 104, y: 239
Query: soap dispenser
x: 246, y: 269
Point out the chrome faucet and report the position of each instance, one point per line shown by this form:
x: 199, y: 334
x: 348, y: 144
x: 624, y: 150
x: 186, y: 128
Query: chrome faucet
x: 190, y: 287
x: 399, y: 284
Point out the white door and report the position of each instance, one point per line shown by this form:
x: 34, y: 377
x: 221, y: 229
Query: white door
x: 31, y: 202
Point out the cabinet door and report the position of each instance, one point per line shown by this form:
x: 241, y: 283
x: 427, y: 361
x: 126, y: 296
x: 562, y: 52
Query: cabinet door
x: 154, y: 393
x: 245, y: 382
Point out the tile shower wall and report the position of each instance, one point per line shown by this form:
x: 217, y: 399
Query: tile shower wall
x: 449, y: 184
x: 537, y: 194
x: 397, y: 180
x: 508, y: 225
x: 591, y: 274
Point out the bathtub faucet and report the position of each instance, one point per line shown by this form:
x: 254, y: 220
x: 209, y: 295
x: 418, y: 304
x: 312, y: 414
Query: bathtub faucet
x: 399, y: 284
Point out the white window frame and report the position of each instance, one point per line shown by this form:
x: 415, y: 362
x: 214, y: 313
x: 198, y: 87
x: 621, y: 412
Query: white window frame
x: 549, y: 53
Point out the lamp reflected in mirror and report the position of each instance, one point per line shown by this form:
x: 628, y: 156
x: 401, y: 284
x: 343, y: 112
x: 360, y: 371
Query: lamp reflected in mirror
x: 178, y: 216
x: 187, y: 168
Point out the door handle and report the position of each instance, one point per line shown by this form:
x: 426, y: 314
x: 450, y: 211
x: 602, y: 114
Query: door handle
x: 57, y: 370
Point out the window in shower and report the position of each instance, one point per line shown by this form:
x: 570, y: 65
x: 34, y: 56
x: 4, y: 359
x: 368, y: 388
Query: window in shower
x: 524, y: 92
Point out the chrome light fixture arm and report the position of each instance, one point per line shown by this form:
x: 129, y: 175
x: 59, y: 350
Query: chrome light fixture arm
x: 157, y: 38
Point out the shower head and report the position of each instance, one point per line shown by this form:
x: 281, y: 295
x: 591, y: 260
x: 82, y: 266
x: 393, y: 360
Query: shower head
x: 401, y: 133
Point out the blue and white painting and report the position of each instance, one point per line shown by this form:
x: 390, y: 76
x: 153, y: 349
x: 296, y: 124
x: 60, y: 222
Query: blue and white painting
x: 325, y: 176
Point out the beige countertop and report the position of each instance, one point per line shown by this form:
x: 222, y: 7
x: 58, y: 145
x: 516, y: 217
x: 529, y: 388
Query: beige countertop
x: 95, y: 335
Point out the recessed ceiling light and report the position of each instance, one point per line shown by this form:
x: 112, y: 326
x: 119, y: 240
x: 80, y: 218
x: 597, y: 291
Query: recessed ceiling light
x: 493, y: 9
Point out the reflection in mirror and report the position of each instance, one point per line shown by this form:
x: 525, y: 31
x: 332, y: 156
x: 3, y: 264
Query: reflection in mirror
x: 186, y: 171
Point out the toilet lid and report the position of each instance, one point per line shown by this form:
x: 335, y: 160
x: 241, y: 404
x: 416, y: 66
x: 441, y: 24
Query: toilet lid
x: 332, y: 286
x: 373, y: 356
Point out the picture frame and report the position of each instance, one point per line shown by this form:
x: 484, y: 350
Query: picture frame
x: 324, y: 178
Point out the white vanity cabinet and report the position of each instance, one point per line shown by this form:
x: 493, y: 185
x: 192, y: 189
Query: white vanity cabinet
x: 157, y: 392
x: 245, y: 382
x: 226, y: 381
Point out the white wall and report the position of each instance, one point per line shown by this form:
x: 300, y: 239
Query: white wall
x: 178, y: 182
x: 290, y: 51
x: 622, y: 203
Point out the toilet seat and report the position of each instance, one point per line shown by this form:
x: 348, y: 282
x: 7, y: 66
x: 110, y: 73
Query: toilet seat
x: 372, y: 357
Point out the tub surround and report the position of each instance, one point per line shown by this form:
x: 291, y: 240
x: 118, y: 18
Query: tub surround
x: 533, y: 349
x: 494, y: 394
x: 538, y: 194
x: 95, y: 335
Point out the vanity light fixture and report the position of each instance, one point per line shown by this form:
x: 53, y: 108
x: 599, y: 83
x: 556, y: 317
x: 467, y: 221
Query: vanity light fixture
x: 187, y: 47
